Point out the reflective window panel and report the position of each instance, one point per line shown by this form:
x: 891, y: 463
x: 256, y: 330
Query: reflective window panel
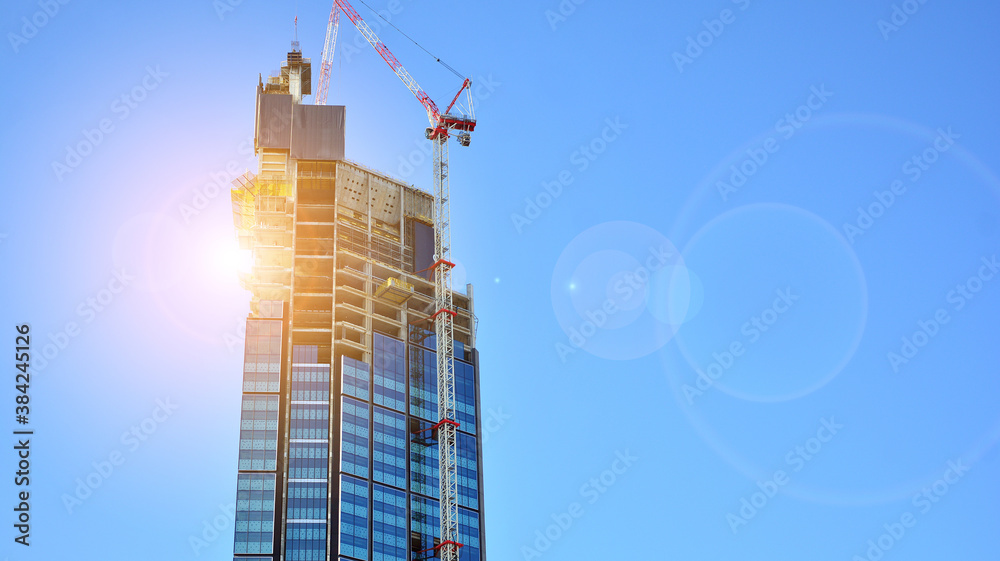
x: 423, y: 383
x: 307, y: 460
x: 389, y: 359
x: 354, y: 451
x: 305, y: 541
x: 354, y: 517
x: 262, y: 357
x: 465, y: 396
x: 259, y: 433
x: 423, y: 459
x: 467, y: 471
x: 310, y: 382
x: 468, y: 535
x: 389, y: 447
x: 354, y: 378
x: 254, y: 513
x: 388, y: 524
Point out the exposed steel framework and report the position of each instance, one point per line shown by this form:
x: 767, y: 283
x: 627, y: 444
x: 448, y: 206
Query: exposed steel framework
x: 441, y: 127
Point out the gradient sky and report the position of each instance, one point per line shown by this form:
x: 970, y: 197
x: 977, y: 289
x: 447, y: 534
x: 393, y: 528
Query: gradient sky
x: 784, y: 196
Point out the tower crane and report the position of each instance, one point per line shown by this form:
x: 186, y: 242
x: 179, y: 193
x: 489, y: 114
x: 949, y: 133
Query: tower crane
x: 442, y: 127
x: 328, y: 46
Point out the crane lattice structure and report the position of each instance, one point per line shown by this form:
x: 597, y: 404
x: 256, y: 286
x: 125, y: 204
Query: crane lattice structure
x: 327, y: 64
x: 442, y: 126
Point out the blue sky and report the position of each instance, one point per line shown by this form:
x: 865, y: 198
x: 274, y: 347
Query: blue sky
x: 735, y: 266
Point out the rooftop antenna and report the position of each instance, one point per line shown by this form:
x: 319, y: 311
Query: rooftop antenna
x: 295, y: 42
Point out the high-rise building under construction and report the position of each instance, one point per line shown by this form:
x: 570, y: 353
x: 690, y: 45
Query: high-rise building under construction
x: 338, y: 456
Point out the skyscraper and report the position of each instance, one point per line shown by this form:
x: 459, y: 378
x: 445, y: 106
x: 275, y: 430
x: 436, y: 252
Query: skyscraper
x: 337, y: 456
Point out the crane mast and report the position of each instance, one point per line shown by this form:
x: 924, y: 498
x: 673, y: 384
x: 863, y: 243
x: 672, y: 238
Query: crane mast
x: 328, y: 46
x: 441, y: 127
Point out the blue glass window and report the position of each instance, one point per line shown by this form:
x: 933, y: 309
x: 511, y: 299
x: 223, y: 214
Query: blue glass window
x: 254, y: 513
x: 354, y: 378
x: 307, y: 460
x: 305, y: 541
x: 306, y: 500
x: 465, y: 396
x: 389, y: 448
x: 467, y: 471
x: 305, y: 538
x: 423, y: 383
x: 262, y: 357
x: 354, y: 451
x: 423, y: 459
x: 259, y: 433
x: 423, y: 337
x: 468, y: 535
x: 425, y: 521
x: 389, y: 359
x: 354, y: 517
x: 388, y: 524
x: 310, y: 421
x: 310, y: 382
x: 305, y: 354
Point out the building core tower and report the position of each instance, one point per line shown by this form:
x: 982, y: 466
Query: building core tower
x: 337, y: 459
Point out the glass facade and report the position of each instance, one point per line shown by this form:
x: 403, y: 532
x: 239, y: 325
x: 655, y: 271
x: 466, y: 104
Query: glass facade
x: 386, y: 482
x: 308, y: 432
x: 423, y: 459
x: 354, y: 451
x: 259, y: 433
x: 423, y: 384
x: 423, y: 389
x: 465, y: 396
x: 389, y: 447
x: 254, y: 513
x: 354, y: 378
x: 390, y: 372
x: 467, y: 469
x: 425, y: 525
x: 468, y: 535
x: 388, y: 524
x: 262, y: 356
x: 354, y: 517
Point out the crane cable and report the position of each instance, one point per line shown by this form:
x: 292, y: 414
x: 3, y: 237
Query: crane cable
x: 443, y: 63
